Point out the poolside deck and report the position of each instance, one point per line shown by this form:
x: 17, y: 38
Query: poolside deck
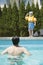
x: 24, y: 38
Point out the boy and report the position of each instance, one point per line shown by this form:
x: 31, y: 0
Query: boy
x: 31, y: 22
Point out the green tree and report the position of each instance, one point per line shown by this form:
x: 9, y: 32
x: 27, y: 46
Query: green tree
x: 41, y: 17
x: 9, y: 21
x: 28, y: 8
x: 4, y: 20
x: 0, y: 21
x: 0, y: 12
x: 22, y: 23
x: 15, y: 20
x: 33, y: 8
x: 37, y: 15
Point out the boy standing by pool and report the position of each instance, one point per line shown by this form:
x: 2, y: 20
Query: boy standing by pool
x: 31, y: 22
x: 15, y: 49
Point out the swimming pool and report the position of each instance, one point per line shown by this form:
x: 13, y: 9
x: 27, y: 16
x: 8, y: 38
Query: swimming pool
x: 34, y: 46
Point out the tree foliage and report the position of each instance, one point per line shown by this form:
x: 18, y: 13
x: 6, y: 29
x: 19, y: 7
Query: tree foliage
x: 12, y: 20
x: 22, y: 19
x: 15, y: 20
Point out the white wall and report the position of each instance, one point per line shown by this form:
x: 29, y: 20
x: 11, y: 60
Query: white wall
x: 39, y: 3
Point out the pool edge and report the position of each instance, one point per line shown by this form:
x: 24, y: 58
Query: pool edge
x: 23, y: 38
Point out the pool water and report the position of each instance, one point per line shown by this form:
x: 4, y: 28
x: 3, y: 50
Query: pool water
x: 35, y: 47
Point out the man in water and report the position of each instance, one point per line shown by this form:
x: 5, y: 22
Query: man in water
x: 15, y: 49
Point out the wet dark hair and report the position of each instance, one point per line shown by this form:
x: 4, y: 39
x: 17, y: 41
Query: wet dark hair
x: 15, y: 41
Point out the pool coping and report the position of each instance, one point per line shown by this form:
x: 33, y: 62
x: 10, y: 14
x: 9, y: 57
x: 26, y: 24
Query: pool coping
x: 22, y: 38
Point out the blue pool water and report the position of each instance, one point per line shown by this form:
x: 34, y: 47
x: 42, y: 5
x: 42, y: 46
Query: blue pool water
x: 35, y: 47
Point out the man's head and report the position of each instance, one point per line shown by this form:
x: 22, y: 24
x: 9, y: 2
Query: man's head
x: 31, y: 13
x: 15, y: 41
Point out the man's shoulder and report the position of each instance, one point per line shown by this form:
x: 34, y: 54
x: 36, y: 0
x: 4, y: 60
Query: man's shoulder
x: 23, y: 48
